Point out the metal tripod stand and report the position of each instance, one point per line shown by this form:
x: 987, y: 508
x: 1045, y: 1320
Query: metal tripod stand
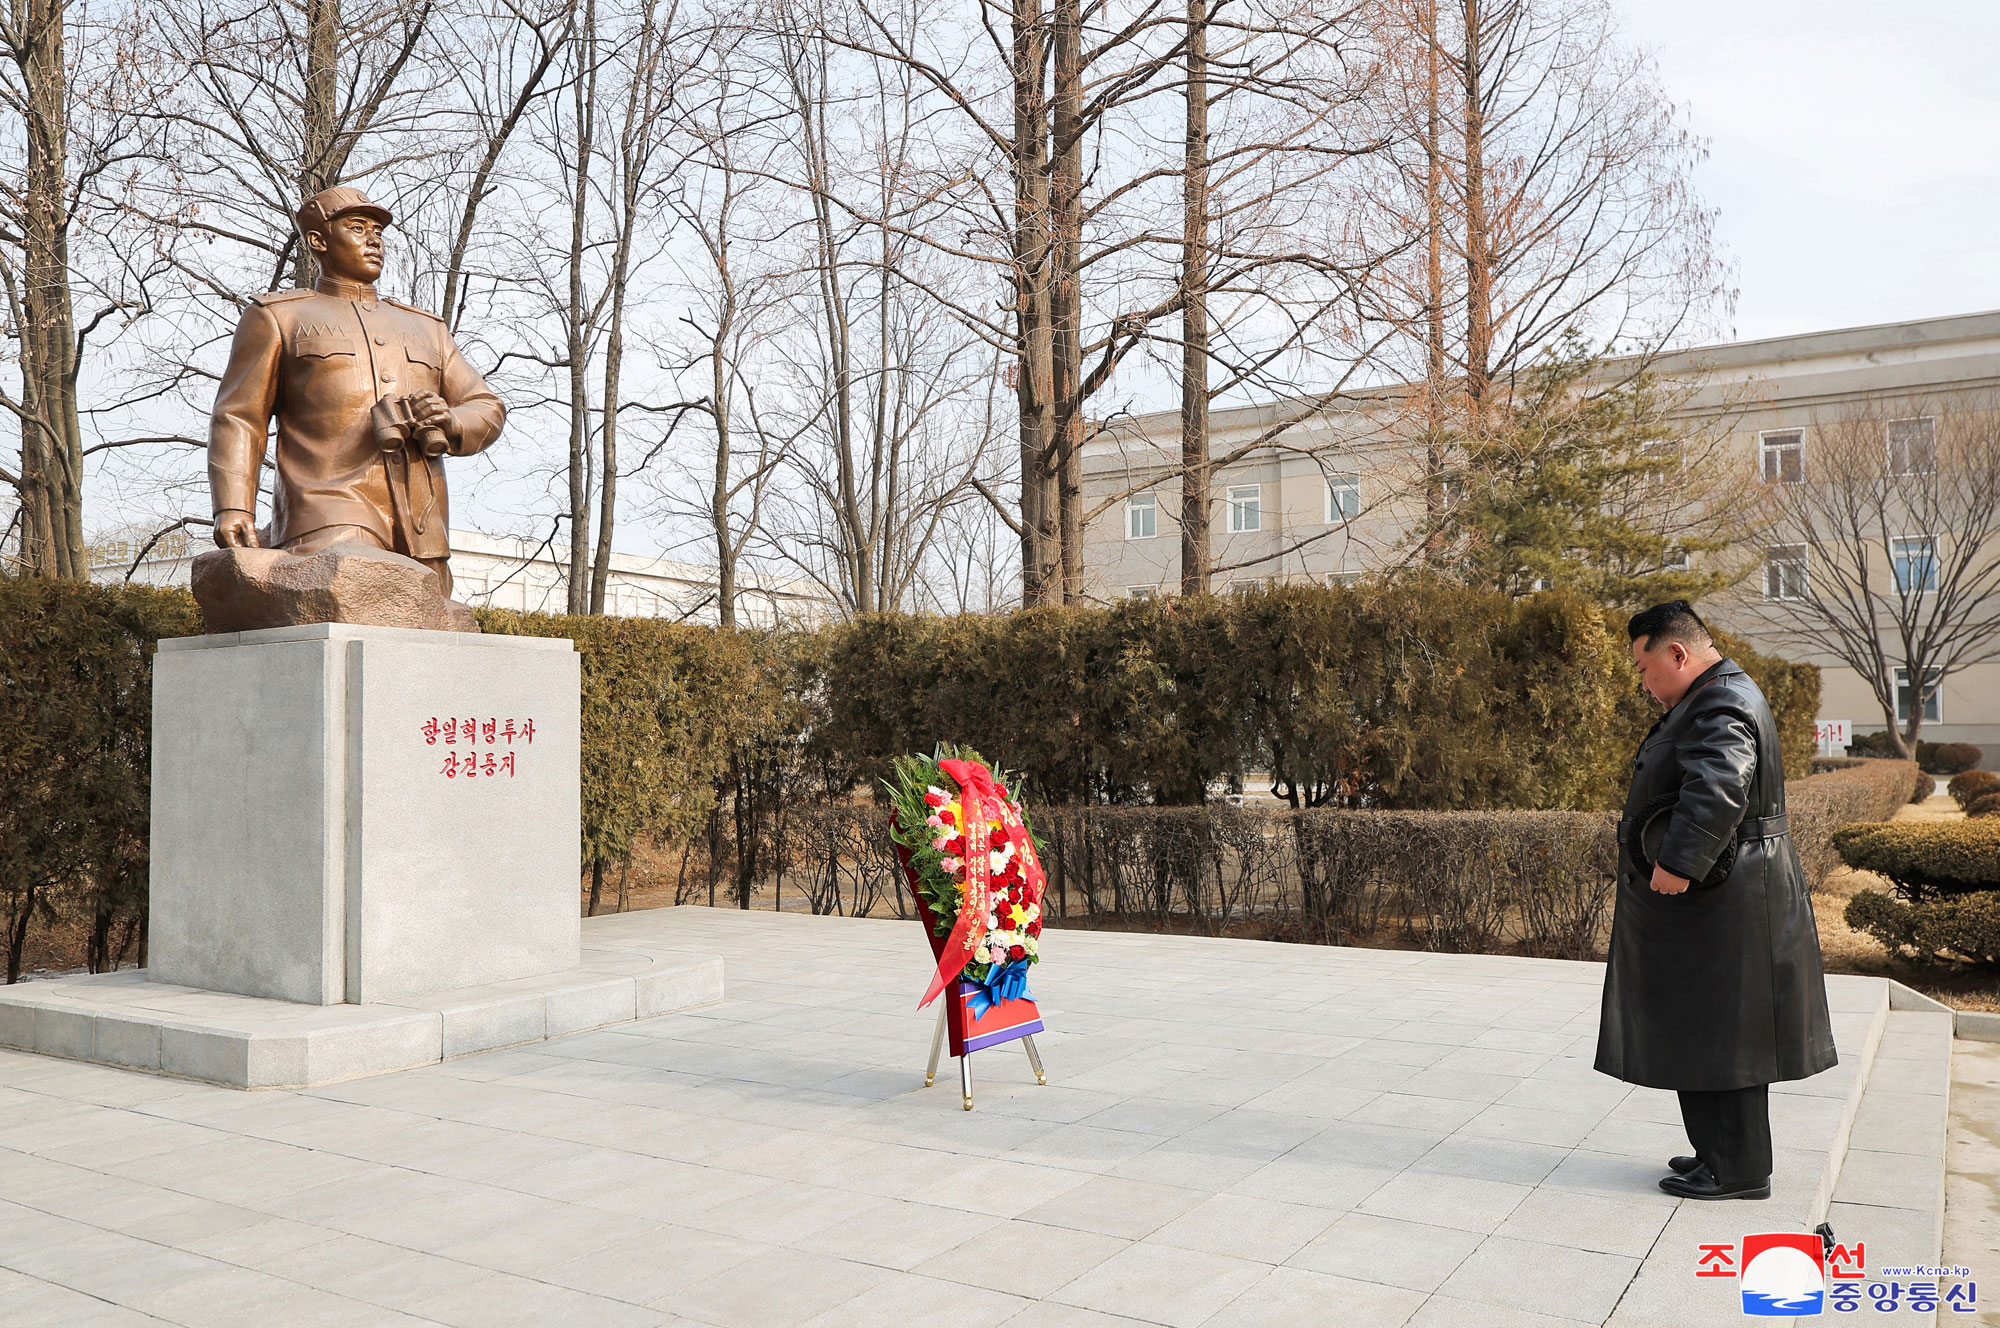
x: 965, y: 1061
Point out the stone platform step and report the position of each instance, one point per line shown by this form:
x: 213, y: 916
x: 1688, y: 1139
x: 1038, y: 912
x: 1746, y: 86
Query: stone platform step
x: 127, y: 1020
x: 1890, y: 1191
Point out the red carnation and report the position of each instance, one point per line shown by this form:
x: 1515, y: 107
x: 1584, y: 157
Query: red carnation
x: 936, y: 800
x: 1035, y: 928
x: 1017, y: 952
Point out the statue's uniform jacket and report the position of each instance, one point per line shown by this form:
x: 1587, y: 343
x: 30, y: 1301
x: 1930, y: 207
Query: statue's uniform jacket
x: 1719, y: 987
x: 319, y: 360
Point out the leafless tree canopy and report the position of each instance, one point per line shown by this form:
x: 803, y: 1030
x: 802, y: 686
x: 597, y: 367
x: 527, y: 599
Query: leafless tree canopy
x: 1886, y: 552
x: 839, y: 292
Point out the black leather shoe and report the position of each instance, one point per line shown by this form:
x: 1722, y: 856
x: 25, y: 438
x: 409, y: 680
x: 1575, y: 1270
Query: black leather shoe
x: 1702, y: 1184
x: 1683, y: 1165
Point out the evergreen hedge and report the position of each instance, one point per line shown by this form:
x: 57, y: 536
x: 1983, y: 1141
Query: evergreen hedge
x: 1407, y: 696
x: 76, y: 709
x: 1964, y: 927
x: 1925, y: 859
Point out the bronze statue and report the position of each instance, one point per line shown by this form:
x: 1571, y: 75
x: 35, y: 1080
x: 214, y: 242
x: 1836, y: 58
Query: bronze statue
x: 370, y: 395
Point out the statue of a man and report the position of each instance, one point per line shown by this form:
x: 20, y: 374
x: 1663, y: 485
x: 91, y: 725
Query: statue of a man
x: 370, y: 394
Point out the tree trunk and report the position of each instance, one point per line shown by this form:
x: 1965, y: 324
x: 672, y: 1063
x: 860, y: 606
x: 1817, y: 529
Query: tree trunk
x: 17, y: 935
x: 321, y: 116
x: 1066, y: 302
x: 718, y: 511
x: 1434, y: 368
x: 51, y: 429
x: 577, y: 318
x: 614, y: 367
x: 596, y: 886
x: 1195, y: 506
x: 1035, y: 371
x: 1478, y: 255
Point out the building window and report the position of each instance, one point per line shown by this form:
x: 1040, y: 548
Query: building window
x: 1933, y: 696
x: 1246, y: 503
x: 1142, y: 516
x: 1783, y: 456
x: 1665, y: 459
x: 1913, y: 446
x: 1916, y: 563
x: 1345, y: 580
x: 1343, y: 498
x: 1785, y: 572
x: 1676, y: 560
x: 1142, y: 592
x: 1247, y: 585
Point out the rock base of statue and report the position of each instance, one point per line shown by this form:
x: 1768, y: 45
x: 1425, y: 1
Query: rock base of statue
x: 243, y: 590
x: 365, y: 848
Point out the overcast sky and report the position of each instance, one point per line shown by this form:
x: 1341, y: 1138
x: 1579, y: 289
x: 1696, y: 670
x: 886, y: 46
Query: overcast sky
x: 1855, y: 151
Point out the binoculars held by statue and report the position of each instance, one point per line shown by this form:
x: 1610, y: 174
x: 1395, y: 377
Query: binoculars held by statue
x: 395, y: 424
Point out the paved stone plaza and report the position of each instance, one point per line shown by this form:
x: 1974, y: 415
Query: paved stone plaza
x: 1235, y: 1133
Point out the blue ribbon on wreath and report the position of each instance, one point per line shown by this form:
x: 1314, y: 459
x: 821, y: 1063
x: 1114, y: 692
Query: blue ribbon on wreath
x: 1008, y: 982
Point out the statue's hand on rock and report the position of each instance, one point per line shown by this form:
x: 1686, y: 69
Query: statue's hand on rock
x: 235, y: 529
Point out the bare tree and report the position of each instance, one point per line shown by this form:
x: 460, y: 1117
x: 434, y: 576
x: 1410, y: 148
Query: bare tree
x: 728, y: 203
x: 886, y: 382
x: 1057, y: 93
x: 1886, y: 551
x: 1270, y: 115
x: 1549, y: 178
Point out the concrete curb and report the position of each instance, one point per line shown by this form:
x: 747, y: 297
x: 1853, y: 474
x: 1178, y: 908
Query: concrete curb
x: 126, y: 1020
x: 1978, y: 1025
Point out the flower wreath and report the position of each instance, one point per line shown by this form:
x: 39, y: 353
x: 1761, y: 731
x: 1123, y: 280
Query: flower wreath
x: 971, y: 856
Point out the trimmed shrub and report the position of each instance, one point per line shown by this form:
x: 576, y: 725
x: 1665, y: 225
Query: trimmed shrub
x: 1869, y: 790
x: 1405, y: 695
x: 1986, y: 804
x: 1963, y: 927
x: 1943, y: 758
x: 1925, y: 787
x: 1970, y: 784
x: 1537, y: 882
x: 1826, y: 765
x: 1953, y: 757
x: 1926, y: 859
x: 76, y: 707
x: 675, y: 716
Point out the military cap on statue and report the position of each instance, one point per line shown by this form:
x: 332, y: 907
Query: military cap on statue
x: 338, y: 201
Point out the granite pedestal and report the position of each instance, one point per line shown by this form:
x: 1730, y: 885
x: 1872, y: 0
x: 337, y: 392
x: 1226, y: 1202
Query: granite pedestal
x: 365, y: 849
x: 363, y: 814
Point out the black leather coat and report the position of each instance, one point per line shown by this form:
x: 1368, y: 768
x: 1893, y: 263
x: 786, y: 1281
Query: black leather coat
x: 1719, y: 987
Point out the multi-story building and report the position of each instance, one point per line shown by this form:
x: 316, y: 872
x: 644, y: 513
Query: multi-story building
x: 1324, y: 491
x: 505, y: 573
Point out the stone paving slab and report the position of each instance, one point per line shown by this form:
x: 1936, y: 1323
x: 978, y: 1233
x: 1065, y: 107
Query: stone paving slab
x: 1234, y: 1133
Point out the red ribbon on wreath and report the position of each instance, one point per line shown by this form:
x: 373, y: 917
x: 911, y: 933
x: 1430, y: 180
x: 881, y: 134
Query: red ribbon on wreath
x: 979, y: 793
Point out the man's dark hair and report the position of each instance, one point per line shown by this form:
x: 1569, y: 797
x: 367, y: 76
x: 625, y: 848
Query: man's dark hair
x: 1675, y: 620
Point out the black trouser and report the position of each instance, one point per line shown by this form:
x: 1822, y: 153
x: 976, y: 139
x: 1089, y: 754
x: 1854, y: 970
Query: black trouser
x: 1731, y: 1131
